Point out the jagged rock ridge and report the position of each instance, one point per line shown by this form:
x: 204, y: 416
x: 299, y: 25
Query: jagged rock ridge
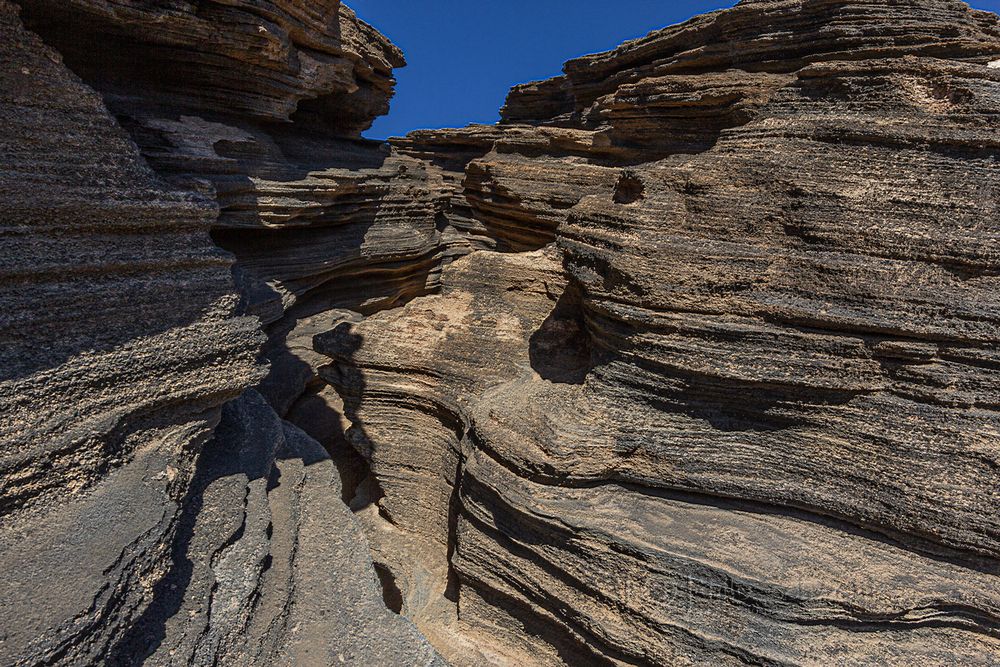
x: 689, y: 360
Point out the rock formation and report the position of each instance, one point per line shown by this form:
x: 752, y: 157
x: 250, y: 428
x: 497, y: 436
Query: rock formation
x: 742, y: 409
x: 690, y: 360
x: 132, y: 134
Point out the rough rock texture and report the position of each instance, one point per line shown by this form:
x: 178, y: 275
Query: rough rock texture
x: 266, y: 122
x: 727, y: 394
x: 120, y: 344
x: 252, y: 59
x: 691, y: 360
x: 269, y: 561
x: 404, y: 377
x: 130, y: 132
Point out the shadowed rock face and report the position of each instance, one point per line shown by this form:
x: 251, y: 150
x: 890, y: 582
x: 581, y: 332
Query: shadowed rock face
x: 690, y: 360
x: 133, y: 528
x: 120, y: 342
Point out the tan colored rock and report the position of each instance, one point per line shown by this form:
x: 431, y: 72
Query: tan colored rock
x: 690, y: 360
x: 759, y: 426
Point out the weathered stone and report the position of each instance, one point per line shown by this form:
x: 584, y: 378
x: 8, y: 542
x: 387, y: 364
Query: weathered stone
x: 269, y: 566
x: 690, y: 360
x: 120, y: 344
x: 125, y: 537
x: 751, y: 418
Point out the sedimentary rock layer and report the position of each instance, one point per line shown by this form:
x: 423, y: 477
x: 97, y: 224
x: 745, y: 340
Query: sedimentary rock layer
x: 120, y: 344
x: 258, y: 60
x: 690, y: 360
x: 741, y: 408
x: 130, y: 135
x: 260, y: 107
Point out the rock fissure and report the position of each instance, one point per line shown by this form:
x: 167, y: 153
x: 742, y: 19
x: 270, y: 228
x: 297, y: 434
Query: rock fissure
x: 688, y: 360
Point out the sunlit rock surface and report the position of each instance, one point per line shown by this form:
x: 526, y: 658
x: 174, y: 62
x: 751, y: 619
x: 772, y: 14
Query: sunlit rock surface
x: 690, y: 360
x: 742, y: 409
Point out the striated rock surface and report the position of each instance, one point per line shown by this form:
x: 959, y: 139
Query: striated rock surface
x: 256, y: 60
x: 120, y: 344
x: 135, y: 140
x: 690, y: 360
x: 727, y: 393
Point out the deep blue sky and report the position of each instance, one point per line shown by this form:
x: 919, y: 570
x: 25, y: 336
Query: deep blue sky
x: 464, y: 55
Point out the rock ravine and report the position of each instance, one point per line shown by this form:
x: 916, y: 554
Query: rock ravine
x: 692, y: 359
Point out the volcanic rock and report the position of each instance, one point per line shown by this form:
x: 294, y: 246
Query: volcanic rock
x: 690, y: 360
x: 128, y: 134
x: 753, y: 418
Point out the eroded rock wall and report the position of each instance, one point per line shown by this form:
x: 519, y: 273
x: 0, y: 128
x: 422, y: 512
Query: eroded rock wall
x: 689, y: 360
x: 727, y: 393
x: 183, y: 185
x: 120, y: 344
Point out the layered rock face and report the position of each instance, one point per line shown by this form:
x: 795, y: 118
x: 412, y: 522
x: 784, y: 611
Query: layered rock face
x: 690, y: 360
x: 154, y: 509
x: 120, y: 344
x: 727, y: 392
